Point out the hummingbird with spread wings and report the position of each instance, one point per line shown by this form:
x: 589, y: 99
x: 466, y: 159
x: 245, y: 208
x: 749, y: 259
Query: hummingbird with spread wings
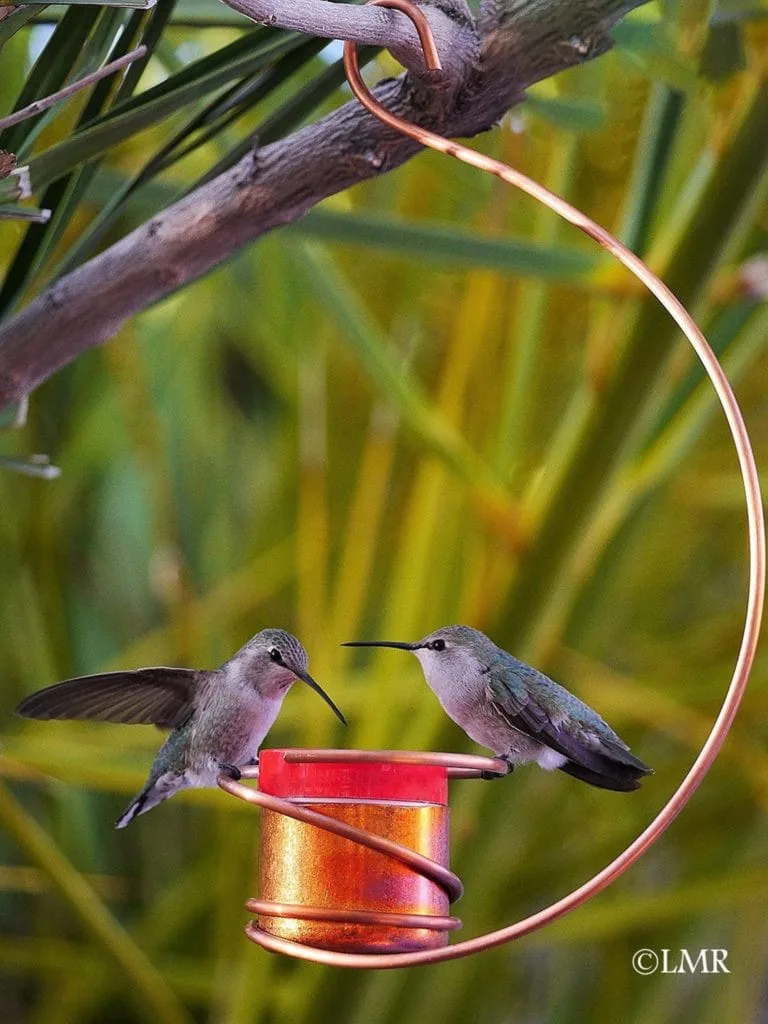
x: 218, y: 717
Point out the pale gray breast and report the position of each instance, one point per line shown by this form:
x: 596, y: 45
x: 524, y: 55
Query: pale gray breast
x: 231, y: 723
x: 459, y: 686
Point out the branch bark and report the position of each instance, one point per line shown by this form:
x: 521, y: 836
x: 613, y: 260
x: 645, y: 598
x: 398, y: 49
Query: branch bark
x: 487, y: 66
x: 369, y: 26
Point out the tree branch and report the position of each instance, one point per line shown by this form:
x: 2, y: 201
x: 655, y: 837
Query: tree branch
x: 368, y: 26
x: 519, y: 42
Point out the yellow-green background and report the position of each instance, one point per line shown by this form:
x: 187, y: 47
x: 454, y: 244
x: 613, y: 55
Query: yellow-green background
x: 356, y: 440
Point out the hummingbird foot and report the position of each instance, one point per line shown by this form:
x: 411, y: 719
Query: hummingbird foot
x: 232, y: 770
x: 488, y: 776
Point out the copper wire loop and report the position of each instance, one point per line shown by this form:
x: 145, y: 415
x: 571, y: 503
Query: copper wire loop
x: 302, y: 912
x: 756, y: 532
x: 468, y: 765
x: 458, y: 766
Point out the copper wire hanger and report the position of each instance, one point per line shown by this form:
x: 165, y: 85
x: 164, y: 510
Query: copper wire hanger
x: 467, y: 766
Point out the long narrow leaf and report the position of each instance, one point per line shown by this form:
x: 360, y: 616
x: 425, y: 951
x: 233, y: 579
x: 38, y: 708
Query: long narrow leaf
x: 86, y: 904
x: 11, y: 212
x: 94, y: 141
x: 212, y: 119
x: 37, y: 106
x: 11, y: 24
x: 65, y: 194
x: 51, y: 70
x: 448, y: 246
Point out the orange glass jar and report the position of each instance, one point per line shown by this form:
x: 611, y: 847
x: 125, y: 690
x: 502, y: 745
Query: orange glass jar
x: 320, y: 874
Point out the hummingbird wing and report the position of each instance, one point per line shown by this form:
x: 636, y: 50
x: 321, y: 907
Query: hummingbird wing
x: 148, y: 696
x: 534, y: 704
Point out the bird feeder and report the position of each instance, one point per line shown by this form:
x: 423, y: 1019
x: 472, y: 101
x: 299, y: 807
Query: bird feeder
x: 354, y: 858
x: 376, y: 903
x: 355, y: 848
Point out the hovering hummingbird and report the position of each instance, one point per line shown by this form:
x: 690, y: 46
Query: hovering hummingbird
x: 518, y: 712
x: 219, y: 717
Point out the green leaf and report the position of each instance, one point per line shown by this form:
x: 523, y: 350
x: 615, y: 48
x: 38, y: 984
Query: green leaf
x: 10, y: 212
x: 50, y: 71
x: 15, y: 185
x: 652, y: 47
x: 447, y: 245
x: 10, y: 26
x: 654, y: 150
x: 204, y: 126
x: 86, y: 905
x: 64, y: 196
x: 730, y: 11
x: 575, y: 115
x: 723, y: 54
x: 93, y: 54
x: 151, y: 108
x: 292, y: 113
x: 209, y: 13
x: 38, y: 466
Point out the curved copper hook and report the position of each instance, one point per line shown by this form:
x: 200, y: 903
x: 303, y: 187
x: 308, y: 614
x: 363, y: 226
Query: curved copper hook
x: 756, y: 526
x: 423, y: 30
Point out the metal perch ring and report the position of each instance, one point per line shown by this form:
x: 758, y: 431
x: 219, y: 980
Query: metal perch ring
x: 757, y: 571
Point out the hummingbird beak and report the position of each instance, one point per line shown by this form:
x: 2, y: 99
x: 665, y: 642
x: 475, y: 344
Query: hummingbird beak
x: 399, y: 645
x: 307, y: 678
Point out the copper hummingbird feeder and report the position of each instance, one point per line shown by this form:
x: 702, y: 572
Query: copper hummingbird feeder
x: 355, y: 848
x: 354, y: 868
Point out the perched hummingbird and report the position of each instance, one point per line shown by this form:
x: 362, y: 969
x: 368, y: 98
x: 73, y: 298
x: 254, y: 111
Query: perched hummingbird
x: 219, y: 717
x: 518, y: 712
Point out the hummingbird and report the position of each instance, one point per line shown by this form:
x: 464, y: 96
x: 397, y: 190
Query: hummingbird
x: 517, y: 711
x: 219, y: 717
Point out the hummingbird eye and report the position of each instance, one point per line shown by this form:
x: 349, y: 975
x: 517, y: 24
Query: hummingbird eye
x: 276, y: 656
x: 438, y: 645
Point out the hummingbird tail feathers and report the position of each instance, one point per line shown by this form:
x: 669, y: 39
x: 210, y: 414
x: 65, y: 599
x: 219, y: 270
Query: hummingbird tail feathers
x: 149, y: 797
x: 622, y: 780
x: 133, y: 810
x: 620, y: 756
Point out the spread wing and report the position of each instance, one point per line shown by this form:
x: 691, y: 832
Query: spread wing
x: 527, y: 704
x: 148, y: 696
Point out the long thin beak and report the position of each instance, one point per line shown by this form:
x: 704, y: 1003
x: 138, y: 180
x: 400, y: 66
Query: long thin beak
x: 382, y: 643
x: 307, y: 678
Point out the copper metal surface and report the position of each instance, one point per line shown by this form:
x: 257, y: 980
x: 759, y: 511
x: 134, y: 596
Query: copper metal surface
x: 458, y: 766
x: 757, y: 569
x: 438, y: 873
x: 301, y: 911
x: 300, y: 863
x: 356, y: 878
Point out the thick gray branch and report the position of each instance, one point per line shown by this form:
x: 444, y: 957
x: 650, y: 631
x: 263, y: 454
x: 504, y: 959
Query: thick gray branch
x: 368, y: 26
x: 280, y: 183
x: 541, y: 37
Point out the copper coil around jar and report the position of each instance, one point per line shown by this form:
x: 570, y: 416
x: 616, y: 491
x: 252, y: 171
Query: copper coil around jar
x: 355, y: 848
x: 303, y: 864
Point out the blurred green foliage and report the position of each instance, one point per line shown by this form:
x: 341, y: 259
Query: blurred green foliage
x: 429, y: 402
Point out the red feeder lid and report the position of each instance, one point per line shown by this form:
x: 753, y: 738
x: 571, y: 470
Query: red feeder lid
x: 361, y: 780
